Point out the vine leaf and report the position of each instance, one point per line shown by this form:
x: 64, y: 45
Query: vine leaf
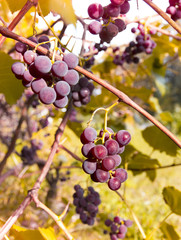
x: 62, y: 7
x: 172, y: 198
x: 15, y: 5
x: 169, y: 232
x: 9, y: 85
x: 159, y: 141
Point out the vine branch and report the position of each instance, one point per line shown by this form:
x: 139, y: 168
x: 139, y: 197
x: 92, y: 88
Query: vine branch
x: 16, y: 20
x: 122, y: 96
x: 13, y: 218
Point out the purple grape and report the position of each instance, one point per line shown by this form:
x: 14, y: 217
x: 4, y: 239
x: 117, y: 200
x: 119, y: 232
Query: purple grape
x: 120, y: 235
x: 86, y: 149
x: 71, y: 60
x: 75, y: 96
x: 62, y: 88
x: 101, y: 175
x: 171, y: 10
x: 47, y: 95
x: 38, y: 84
x: 123, y: 229
x: 90, y: 221
x: 108, y: 163
x: 20, y: 47
x: 71, y: 77
x: 44, y: 38
x: 18, y: 69
x: 27, y: 77
x: 114, y: 183
x: 84, y: 92
x: 128, y: 223
x: 117, y: 159
x: 112, y: 10
x: 112, y: 30
x: 33, y: 71
x: 114, y: 228
x: 108, y: 222
x: 112, y: 146
x: 89, y: 134
x: 107, y: 134
x: 113, y: 236
x: 89, y: 166
x: 95, y: 27
x: 117, y: 2
x: 83, y: 82
x: 90, y: 86
x: 95, y: 11
x: 29, y: 56
x: 121, y: 174
x: 133, y: 30
x: 26, y: 84
x: 117, y: 219
x: 85, y: 100
x: 77, y: 103
x: 99, y: 151
x: 61, y: 102
x: 59, y: 69
x: 43, y: 64
x: 123, y: 137
x: 124, y: 8
x: 120, y: 24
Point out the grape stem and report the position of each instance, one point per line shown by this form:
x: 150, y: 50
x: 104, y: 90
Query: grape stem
x: 133, y: 215
x: 57, y: 219
x: 122, y: 96
x: 158, y: 226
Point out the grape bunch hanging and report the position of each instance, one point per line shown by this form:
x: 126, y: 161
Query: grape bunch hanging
x: 86, y: 203
x: 53, y: 82
x: 174, y: 9
x: 107, y: 22
x: 103, y: 159
x: 117, y: 227
x: 142, y: 44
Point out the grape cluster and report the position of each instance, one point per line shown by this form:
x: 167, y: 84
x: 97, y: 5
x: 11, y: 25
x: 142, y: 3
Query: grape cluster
x: 118, y: 227
x: 82, y: 91
x: 142, y: 44
x: 29, y: 154
x: 86, y: 206
x: 174, y: 9
x: 106, y: 19
x: 102, y: 159
x: 52, y: 82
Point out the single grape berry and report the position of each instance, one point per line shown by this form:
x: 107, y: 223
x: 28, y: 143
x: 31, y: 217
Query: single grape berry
x: 47, y: 95
x: 95, y: 11
x: 95, y: 27
x: 59, y: 69
x: 71, y: 60
x: 99, y: 151
x: 123, y: 137
x: 114, y: 183
x: 89, y: 134
x: 43, y: 64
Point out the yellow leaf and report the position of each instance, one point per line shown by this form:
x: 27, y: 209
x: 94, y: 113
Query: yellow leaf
x: 62, y: 7
x: 15, y: 5
x: 48, y: 233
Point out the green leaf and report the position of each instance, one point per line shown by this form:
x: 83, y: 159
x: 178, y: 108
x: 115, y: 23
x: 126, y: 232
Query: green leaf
x: 15, y: 5
x: 62, y: 7
x: 172, y: 198
x: 169, y: 231
x: 9, y: 85
x: 21, y: 233
x: 159, y: 141
x: 141, y: 162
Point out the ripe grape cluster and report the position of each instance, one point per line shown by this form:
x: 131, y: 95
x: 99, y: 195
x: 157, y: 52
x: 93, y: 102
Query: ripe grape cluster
x: 29, y: 154
x: 52, y: 83
x: 142, y: 44
x: 174, y: 9
x: 107, y: 22
x: 118, y: 227
x: 103, y: 159
x: 86, y: 205
x: 82, y: 91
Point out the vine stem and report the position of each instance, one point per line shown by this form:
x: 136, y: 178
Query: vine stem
x: 16, y: 20
x: 56, y: 218
x: 163, y: 15
x: 158, y: 226
x: 122, y: 96
x: 34, y: 191
x: 133, y: 215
